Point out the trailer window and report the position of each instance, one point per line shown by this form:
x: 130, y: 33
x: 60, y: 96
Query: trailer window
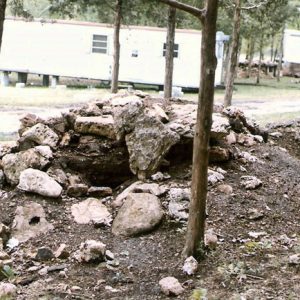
x: 176, y: 50
x: 99, y: 43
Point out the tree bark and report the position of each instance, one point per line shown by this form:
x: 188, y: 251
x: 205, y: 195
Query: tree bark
x: 234, y: 49
x: 116, y: 55
x: 170, y: 53
x: 251, y: 55
x: 197, y: 212
x: 279, y: 67
x: 260, y: 58
x: 2, y: 18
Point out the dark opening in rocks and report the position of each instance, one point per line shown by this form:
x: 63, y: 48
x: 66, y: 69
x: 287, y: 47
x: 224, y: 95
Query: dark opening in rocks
x: 34, y: 220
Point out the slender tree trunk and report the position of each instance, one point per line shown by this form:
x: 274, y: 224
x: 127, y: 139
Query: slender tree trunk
x: 170, y: 53
x: 260, y: 58
x: 272, y: 46
x: 234, y: 48
x: 116, y: 56
x: 2, y: 18
x: 279, y: 67
x: 197, y: 212
x: 251, y: 55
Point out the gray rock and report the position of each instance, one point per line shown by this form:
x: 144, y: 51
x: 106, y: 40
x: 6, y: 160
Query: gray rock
x: 178, y: 206
x: 125, y: 115
x: 122, y: 101
x: 170, y: 286
x: 30, y: 221
x: 2, y: 179
x: 98, y: 191
x: 77, y: 190
x: 41, y: 134
x: 39, y: 182
x: 101, y: 125
x: 220, y: 126
x: 44, y: 254
x: 140, y: 213
x: 62, y: 252
x: 6, y: 148
x: 91, y: 210
x: 160, y: 113
x: 294, y: 259
x: 214, y: 177
x: 91, y: 251
x: 14, y: 164
x: 225, y: 188
x: 58, y: 175
x: 147, y: 145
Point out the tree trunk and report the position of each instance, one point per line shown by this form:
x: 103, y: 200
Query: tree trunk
x: 197, y: 212
x: 170, y: 53
x: 234, y: 48
x: 116, y: 56
x: 260, y: 58
x: 2, y: 18
x: 279, y: 67
x: 272, y: 47
x: 251, y: 55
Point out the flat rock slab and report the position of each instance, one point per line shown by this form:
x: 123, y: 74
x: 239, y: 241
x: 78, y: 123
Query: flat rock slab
x: 139, y: 214
x: 91, y: 211
x: 39, y: 182
x: 100, y: 125
x: 30, y: 221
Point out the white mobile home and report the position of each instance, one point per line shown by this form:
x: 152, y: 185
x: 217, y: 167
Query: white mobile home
x: 85, y: 50
x: 291, y: 52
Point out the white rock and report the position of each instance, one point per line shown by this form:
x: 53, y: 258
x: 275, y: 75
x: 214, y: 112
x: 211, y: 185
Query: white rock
x: 190, y: 266
x: 7, y: 291
x: 91, y: 250
x: 170, y: 286
x: 91, y: 210
x: 294, y: 259
x: 122, y: 101
x: 39, y: 182
x: 214, y: 177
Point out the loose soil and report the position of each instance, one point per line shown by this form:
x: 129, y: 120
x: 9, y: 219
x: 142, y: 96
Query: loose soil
x: 258, y: 268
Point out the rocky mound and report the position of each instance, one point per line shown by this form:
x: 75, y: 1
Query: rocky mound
x: 74, y: 187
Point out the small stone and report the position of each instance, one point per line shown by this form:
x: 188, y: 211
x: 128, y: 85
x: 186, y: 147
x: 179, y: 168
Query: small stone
x: 210, y: 239
x: 170, y: 286
x: 250, y: 182
x: 62, y: 252
x: 190, y: 266
x: 97, y: 191
x: 214, y: 177
x: 77, y: 190
x: 276, y: 134
x: 109, y: 255
x: 218, y: 154
x: 91, y: 251
x: 255, y: 214
x: 44, y: 254
x: 225, y: 188
x: 7, y: 291
x: 294, y: 259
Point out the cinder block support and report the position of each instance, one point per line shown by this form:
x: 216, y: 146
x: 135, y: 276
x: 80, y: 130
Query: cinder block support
x: 4, y: 78
x: 46, y: 80
x: 22, y: 77
x: 54, y: 81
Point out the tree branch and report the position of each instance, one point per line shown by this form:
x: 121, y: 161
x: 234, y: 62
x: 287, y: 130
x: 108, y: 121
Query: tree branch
x: 199, y: 13
x: 255, y: 5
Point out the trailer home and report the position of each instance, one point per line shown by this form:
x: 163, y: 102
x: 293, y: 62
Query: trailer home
x: 85, y: 50
x: 291, y: 53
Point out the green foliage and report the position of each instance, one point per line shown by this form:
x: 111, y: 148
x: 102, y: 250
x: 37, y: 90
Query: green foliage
x: 7, y: 272
x: 199, y: 294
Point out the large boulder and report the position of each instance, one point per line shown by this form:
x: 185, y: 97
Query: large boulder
x: 100, y: 125
x: 140, y: 213
x: 30, y: 221
x: 39, y: 182
x: 147, y: 145
x: 40, y: 134
x: 14, y: 163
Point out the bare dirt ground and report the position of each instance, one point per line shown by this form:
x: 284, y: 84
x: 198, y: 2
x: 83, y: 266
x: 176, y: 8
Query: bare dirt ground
x: 253, y: 266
